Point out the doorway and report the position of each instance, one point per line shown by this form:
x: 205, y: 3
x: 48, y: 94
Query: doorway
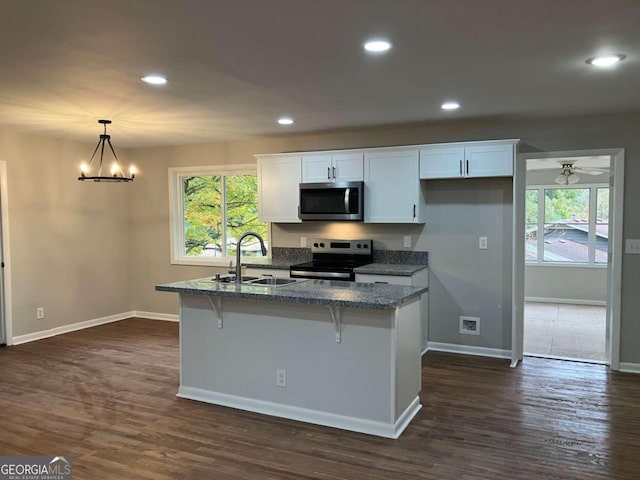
x: 6, y: 337
x: 567, y: 255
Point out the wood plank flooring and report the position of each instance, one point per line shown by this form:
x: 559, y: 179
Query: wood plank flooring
x: 106, y: 396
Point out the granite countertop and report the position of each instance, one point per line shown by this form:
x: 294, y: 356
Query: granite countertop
x: 319, y: 292
x: 389, y: 269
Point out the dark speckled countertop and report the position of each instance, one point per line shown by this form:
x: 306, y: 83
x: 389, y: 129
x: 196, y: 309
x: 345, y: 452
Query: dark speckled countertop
x: 319, y: 292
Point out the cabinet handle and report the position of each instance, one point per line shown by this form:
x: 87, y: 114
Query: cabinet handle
x: 334, y: 172
x: 382, y: 283
x: 328, y: 173
x: 467, y: 166
x: 460, y: 167
x: 414, y: 210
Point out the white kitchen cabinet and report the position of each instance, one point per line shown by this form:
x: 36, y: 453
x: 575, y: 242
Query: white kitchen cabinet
x: 279, y: 177
x: 467, y: 160
x: 332, y: 167
x: 392, y: 190
x: 418, y: 279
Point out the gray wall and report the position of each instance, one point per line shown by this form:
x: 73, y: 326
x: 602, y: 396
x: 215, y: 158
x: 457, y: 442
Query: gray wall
x: 453, y: 278
x: 69, y: 240
x: 87, y: 251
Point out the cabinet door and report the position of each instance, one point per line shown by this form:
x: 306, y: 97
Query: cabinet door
x: 392, y: 191
x: 317, y: 168
x: 348, y: 167
x: 278, y: 187
x: 442, y: 162
x: 490, y: 160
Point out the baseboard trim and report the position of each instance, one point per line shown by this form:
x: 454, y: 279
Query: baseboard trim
x: 371, y: 427
x: 52, y: 332
x: 166, y: 317
x: 570, y: 301
x: 630, y: 367
x: 469, y: 350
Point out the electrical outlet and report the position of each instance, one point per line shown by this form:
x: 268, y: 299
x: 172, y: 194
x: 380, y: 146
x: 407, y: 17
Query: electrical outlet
x: 303, y: 242
x: 632, y: 245
x: 281, y: 377
x: 482, y: 243
x: 470, y: 325
x: 40, y: 312
x: 407, y: 241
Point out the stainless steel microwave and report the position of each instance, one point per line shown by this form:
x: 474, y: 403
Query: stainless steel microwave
x: 331, y: 201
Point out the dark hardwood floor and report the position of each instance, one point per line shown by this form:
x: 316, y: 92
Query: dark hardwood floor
x: 106, y: 396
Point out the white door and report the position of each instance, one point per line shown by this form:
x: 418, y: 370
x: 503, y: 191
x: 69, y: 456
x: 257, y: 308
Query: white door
x: 317, y: 168
x: 442, y: 162
x: 392, y: 187
x: 489, y: 161
x: 278, y: 188
x: 348, y: 167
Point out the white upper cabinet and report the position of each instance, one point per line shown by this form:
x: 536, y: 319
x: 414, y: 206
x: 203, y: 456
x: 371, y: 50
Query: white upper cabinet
x: 392, y: 190
x: 332, y: 167
x: 278, y: 186
x: 468, y: 160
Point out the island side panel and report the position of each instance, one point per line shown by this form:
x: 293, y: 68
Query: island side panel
x: 350, y: 378
x: 408, y: 364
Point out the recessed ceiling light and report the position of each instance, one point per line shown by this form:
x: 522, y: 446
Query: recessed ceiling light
x: 154, y: 79
x: 605, y: 60
x: 377, y: 46
x: 285, y: 120
x: 450, y: 106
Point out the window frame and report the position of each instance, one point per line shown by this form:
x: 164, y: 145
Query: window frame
x: 593, y: 206
x: 176, y: 210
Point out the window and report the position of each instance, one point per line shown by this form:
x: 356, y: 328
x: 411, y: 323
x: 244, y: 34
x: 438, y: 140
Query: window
x: 211, y: 207
x: 574, y: 222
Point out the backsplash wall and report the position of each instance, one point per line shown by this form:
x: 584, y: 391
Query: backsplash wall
x: 384, y: 236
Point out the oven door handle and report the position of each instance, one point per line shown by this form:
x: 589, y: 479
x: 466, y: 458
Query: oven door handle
x: 311, y: 274
x: 347, y: 194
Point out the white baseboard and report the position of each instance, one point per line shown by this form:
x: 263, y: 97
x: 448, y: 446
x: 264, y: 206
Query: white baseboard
x: 52, y: 332
x: 630, y: 367
x: 371, y: 427
x: 167, y: 317
x: 469, y: 350
x: 570, y: 301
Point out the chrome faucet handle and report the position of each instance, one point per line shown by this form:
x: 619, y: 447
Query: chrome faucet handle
x: 232, y: 269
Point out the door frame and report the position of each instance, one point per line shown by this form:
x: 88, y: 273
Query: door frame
x: 6, y: 257
x: 614, y: 264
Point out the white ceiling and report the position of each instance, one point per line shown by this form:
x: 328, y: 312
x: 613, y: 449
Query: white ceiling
x: 235, y: 66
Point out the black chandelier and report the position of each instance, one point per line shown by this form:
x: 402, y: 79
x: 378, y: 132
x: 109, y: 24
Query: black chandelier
x: 94, y: 172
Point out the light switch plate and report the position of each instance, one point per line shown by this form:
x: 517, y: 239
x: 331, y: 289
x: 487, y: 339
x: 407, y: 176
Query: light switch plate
x: 407, y: 241
x: 482, y: 243
x: 632, y: 245
x: 303, y: 242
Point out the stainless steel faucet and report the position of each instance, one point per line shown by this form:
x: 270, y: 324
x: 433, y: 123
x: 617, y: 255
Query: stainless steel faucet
x: 242, y: 237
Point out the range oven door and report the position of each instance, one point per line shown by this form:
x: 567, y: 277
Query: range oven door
x: 331, y: 201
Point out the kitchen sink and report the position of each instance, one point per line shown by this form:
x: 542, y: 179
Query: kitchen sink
x: 232, y: 279
x: 273, y: 281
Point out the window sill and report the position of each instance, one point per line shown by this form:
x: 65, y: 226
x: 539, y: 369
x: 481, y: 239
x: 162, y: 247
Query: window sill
x: 598, y: 266
x: 214, y: 262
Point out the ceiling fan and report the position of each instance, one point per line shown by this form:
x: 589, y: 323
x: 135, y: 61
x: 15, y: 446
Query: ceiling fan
x: 568, y: 173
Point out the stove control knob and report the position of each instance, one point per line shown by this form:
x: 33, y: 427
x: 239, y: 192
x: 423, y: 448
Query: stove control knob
x: 321, y: 245
x: 366, y: 245
x: 315, y: 244
x: 359, y: 245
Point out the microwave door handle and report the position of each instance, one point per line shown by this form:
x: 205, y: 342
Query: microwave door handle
x: 347, y: 194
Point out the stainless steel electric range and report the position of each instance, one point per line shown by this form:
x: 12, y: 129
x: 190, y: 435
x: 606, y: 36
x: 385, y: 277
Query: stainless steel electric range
x: 334, y: 259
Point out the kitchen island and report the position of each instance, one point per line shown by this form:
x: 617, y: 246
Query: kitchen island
x: 334, y: 353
